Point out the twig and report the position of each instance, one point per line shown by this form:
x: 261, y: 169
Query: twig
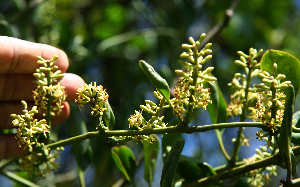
x: 220, y: 25
x: 273, y: 160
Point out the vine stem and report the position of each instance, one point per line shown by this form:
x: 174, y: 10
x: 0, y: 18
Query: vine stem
x: 237, y: 143
x: 162, y: 130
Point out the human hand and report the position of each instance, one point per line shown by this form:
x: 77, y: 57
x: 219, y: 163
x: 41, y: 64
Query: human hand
x: 17, y: 64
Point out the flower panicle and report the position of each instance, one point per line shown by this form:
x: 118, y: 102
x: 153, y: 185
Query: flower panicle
x: 190, y: 90
x: 271, y: 103
x: 28, y: 128
x: 46, y: 90
x: 240, y: 81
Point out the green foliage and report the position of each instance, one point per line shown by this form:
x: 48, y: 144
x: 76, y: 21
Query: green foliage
x: 287, y: 65
x: 104, y: 40
x: 160, y: 83
x: 150, y: 158
x: 125, y: 161
x: 171, y: 163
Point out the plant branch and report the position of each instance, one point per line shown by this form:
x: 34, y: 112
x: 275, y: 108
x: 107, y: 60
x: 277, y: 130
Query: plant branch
x: 162, y: 130
x: 272, y: 160
x: 220, y: 25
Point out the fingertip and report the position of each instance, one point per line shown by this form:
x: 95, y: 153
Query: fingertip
x: 72, y: 82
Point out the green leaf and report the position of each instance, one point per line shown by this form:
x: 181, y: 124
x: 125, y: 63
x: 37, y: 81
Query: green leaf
x: 284, y: 142
x: 82, y: 150
x: 286, y: 64
x: 296, y: 136
x: 150, y: 157
x: 217, y: 110
x: 192, y: 171
x: 159, y: 82
x: 125, y: 161
x: 171, y: 163
x: 109, y: 117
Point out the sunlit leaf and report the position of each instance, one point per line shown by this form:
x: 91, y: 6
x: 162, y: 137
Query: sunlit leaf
x: 159, y: 82
x: 125, y: 161
x: 286, y: 64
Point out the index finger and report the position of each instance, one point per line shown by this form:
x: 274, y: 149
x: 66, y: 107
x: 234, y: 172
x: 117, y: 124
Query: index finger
x: 19, y: 56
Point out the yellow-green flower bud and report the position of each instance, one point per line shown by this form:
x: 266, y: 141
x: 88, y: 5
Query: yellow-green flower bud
x: 202, y: 37
x: 184, y: 55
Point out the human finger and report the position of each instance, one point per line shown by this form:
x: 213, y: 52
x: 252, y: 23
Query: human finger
x: 19, y: 56
x: 9, y: 147
x: 72, y: 82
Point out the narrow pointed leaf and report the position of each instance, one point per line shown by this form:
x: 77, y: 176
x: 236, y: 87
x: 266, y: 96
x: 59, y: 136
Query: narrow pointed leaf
x: 109, y: 117
x: 150, y: 158
x: 125, y: 161
x: 171, y: 163
x: 159, y: 82
x: 217, y: 110
x: 284, y: 142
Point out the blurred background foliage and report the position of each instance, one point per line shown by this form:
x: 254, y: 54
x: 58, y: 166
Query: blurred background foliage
x: 105, y: 39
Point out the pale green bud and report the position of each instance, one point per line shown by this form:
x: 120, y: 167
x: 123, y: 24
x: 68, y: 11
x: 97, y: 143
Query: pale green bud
x: 206, y: 59
x: 202, y: 37
x: 185, y: 64
x: 242, y: 54
x: 207, y: 51
x: 207, y: 46
x: 192, y: 40
x: 243, y: 59
x: 238, y: 62
x: 184, y: 55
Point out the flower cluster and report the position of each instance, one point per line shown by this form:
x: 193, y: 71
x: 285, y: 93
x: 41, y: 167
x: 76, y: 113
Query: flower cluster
x: 95, y: 95
x: 271, y: 102
x: 41, y: 163
x: 46, y: 91
x: 190, y: 90
x: 141, y: 138
x: 29, y: 128
x: 258, y: 177
x: 137, y: 120
x: 240, y: 81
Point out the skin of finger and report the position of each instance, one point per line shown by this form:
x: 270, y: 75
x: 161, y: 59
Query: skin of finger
x: 9, y: 147
x: 72, y: 82
x: 17, y: 87
x: 8, y: 108
x: 19, y: 56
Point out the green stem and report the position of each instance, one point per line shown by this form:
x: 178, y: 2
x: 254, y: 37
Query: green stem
x: 162, y: 130
x: 18, y: 179
x: 189, y: 114
x: 272, y: 160
x: 237, y: 143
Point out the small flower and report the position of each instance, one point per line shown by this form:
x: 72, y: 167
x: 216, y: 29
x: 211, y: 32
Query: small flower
x: 95, y: 95
x: 46, y: 90
x: 28, y: 127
